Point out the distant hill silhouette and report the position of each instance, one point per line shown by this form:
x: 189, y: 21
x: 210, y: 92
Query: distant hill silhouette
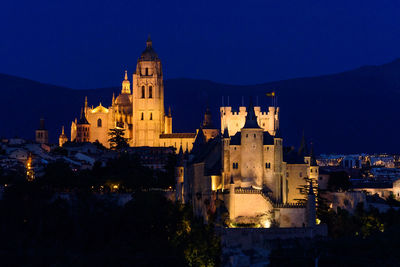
x: 352, y: 111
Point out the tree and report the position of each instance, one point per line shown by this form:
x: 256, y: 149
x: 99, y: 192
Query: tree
x: 117, y: 139
x: 339, y: 181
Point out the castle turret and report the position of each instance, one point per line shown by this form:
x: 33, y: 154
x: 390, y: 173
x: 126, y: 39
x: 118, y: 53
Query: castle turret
x: 63, y: 138
x: 41, y: 134
x: 279, y: 177
x: 226, y: 167
x: 232, y: 215
x: 180, y: 174
x: 82, y: 129
x: 311, y: 207
x: 251, y: 169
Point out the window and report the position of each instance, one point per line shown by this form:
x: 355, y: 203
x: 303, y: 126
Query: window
x: 254, y: 135
x: 247, y: 135
x: 142, y: 117
x: 301, y: 174
x: 147, y: 71
x: 235, y: 165
x: 99, y: 123
x: 267, y: 165
x: 143, y: 95
x: 150, y: 92
x: 151, y: 116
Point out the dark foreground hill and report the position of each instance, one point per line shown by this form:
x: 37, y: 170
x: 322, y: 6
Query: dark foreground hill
x: 353, y: 111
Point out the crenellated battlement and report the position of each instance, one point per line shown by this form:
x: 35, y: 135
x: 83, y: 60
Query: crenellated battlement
x: 234, y: 120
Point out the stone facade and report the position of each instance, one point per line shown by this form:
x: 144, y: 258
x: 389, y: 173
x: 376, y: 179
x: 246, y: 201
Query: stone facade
x: 140, y: 111
x: 259, y: 181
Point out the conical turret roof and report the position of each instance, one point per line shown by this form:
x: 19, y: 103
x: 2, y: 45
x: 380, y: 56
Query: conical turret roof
x: 251, y: 118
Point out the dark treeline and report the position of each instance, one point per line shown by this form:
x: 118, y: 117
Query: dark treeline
x: 39, y: 226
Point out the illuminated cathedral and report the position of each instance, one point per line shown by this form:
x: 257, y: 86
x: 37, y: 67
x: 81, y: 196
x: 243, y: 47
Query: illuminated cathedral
x: 138, y: 109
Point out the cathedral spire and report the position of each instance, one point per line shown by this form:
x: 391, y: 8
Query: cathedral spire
x: 62, y: 130
x: 149, y: 42
x: 126, y: 85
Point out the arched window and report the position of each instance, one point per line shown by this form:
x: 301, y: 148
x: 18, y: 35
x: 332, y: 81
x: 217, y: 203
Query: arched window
x: 150, y: 91
x: 142, y: 117
x: 143, y: 94
x: 99, y: 123
x: 151, y: 116
x: 147, y: 71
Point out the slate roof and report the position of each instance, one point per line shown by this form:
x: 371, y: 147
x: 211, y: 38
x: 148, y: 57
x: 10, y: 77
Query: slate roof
x: 178, y: 135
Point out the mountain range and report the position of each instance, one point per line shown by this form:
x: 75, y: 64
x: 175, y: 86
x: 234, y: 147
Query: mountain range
x: 350, y: 112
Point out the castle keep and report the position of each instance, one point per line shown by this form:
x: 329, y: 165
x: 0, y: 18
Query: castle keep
x: 259, y: 182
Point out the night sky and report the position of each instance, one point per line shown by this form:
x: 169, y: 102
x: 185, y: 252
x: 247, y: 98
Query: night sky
x: 88, y: 44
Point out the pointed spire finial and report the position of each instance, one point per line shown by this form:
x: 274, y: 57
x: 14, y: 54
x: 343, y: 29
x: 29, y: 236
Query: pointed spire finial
x: 149, y: 42
x: 62, y: 130
x: 126, y: 75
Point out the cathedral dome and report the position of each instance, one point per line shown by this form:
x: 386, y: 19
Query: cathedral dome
x: 123, y: 100
x: 149, y: 54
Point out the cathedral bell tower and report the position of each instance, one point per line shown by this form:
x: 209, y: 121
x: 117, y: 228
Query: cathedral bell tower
x: 148, y: 99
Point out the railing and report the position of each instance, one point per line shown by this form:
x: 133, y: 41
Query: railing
x: 267, y: 198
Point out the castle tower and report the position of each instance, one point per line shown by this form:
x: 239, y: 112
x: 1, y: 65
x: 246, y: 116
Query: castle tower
x: 251, y: 167
x: 82, y: 129
x: 310, y: 209
x: 226, y: 159
x: 232, y: 214
x: 63, y: 138
x: 148, y: 99
x: 180, y: 192
x: 280, y: 181
x: 41, y: 134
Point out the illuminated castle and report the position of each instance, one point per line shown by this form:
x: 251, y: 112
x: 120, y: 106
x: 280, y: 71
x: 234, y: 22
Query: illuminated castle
x: 248, y: 169
x: 139, y: 111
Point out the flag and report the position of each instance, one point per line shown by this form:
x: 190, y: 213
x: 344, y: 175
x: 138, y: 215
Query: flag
x: 271, y: 94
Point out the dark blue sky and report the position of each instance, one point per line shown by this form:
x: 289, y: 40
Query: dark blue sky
x: 88, y: 44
